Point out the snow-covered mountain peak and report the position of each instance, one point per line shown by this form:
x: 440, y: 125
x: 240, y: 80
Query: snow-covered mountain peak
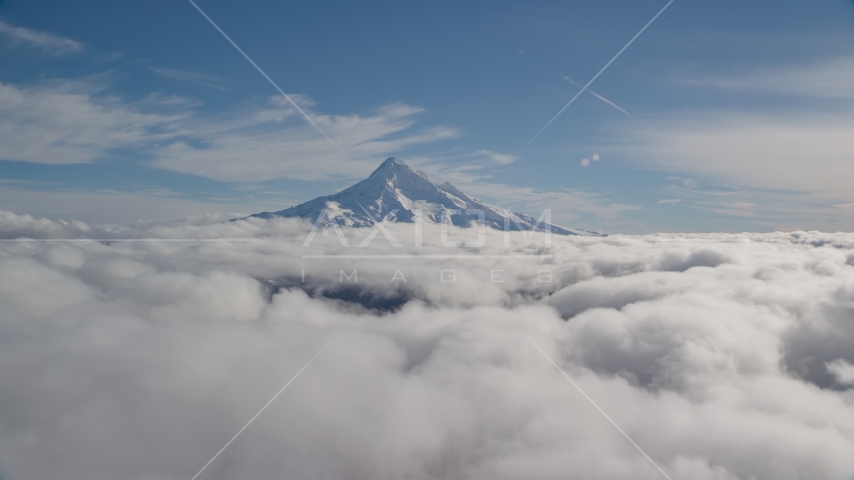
x: 396, y: 174
x: 397, y: 192
x: 391, y: 162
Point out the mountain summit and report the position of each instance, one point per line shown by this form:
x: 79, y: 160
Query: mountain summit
x: 395, y: 191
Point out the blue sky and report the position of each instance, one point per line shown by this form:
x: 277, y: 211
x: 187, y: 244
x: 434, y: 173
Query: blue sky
x: 722, y: 116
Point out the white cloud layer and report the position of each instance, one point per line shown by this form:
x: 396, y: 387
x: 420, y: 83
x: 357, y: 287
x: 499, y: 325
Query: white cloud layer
x: 719, y: 354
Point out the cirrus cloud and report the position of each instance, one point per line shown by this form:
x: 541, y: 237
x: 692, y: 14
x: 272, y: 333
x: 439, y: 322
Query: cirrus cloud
x: 77, y: 121
x: 45, y: 41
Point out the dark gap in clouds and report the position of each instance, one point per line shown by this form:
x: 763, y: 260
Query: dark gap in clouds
x: 617, y: 267
x: 803, y: 238
x: 371, y: 299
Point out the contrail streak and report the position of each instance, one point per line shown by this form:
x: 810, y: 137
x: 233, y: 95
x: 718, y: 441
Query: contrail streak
x: 600, y: 97
x: 597, y: 75
x: 621, y: 109
x: 271, y: 81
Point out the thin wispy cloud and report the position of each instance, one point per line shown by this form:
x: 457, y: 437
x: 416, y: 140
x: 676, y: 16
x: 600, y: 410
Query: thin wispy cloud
x: 119, y: 206
x: 44, y: 41
x: 76, y: 121
x: 499, y: 158
x: 734, y: 209
x: 827, y: 78
x: 769, y: 208
x: 566, y: 204
x: 808, y: 153
x: 787, y: 167
x: 267, y: 142
x: 213, y: 81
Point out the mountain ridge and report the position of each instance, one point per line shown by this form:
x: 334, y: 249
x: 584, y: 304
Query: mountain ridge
x: 395, y: 191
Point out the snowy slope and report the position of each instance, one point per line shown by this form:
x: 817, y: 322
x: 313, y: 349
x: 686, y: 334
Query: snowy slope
x: 396, y: 191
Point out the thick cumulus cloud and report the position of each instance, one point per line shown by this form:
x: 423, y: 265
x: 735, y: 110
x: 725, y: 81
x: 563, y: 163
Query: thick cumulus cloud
x: 723, y: 356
